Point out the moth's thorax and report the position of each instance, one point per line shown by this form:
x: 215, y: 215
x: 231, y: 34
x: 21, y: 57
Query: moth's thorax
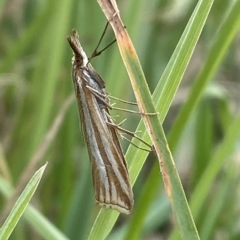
x: 80, y: 60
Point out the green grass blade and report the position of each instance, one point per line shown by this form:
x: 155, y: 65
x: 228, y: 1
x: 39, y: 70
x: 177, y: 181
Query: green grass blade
x: 215, y: 207
x: 141, y: 209
x: 218, y: 158
x: 42, y: 225
x: 21, y: 204
x: 222, y: 43
x: 224, y: 38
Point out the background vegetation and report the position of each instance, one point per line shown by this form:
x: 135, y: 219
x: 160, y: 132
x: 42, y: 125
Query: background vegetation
x: 35, y: 83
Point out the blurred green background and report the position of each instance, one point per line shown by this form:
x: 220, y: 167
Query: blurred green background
x: 35, y: 82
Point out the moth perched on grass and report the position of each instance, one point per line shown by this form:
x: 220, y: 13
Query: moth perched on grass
x: 109, y: 169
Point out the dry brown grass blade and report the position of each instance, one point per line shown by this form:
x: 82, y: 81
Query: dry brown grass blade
x: 170, y: 176
x: 128, y: 52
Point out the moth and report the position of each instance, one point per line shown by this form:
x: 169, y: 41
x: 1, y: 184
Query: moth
x: 109, y: 169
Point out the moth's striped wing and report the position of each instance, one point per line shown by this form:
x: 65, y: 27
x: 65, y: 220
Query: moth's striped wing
x: 109, y: 170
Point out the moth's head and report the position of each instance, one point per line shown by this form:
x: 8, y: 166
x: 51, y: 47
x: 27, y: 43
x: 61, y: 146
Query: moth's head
x: 80, y: 58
